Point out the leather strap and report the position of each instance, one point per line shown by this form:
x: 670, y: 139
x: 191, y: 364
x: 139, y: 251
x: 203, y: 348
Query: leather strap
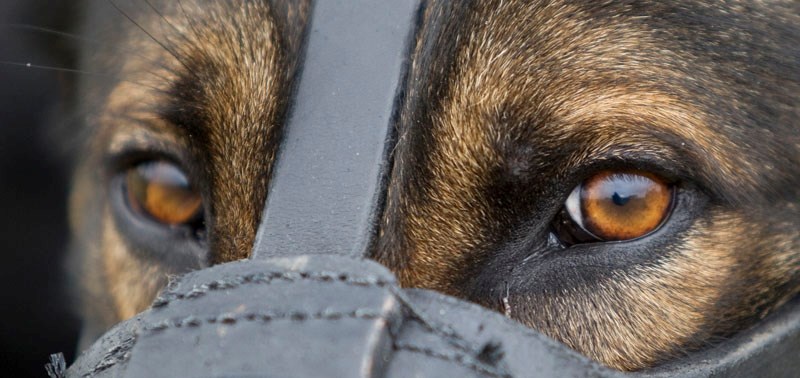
x: 330, y: 174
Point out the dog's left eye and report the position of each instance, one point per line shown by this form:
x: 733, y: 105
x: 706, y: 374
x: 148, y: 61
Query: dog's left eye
x: 161, y: 191
x: 615, y: 206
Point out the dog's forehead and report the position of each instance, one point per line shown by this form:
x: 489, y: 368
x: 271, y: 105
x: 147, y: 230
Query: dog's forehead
x: 628, y: 73
x: 548, y: 63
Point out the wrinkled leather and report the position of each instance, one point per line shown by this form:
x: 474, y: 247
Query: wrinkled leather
x: 322, y: 315
x: 311, y: 316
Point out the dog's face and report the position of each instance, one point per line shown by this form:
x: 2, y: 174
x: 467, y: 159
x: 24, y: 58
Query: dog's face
x: 181, y: 129
x: 621, y: 176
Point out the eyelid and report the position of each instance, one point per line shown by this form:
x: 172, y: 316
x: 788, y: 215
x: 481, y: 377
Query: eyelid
x: 134, y: 147
x: 143, y: 134
x: 665, y: 165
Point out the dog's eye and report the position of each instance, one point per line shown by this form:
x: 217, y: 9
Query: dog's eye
x: 162, y: 192
x: 615, y: 206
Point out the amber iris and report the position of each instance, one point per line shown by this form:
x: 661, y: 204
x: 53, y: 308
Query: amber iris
x: 161, y: 191
x: 624, y: 205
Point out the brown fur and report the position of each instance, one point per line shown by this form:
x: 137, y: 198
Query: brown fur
x: 508, y: 106
x: 511, y: 104
x: 210, y: 95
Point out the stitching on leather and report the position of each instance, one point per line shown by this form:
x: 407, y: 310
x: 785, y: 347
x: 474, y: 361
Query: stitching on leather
x: 266, y: 278
x: 449, y: 335
x: 118, y: 354
x: 263, y: 317
x: 457, y: 358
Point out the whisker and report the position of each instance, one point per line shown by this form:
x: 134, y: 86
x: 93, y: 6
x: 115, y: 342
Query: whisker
x: 181, y: 34
x: 189, y: 20
x: 149, y: 35
x: 40, y: 29
x: 75, y: 71
x: 506, y: 303
x: 166, y: 21
x: 44, y: 30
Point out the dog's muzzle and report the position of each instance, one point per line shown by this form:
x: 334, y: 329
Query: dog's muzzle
x: 309, y: 304
x: 313, y: 315
x: 333, y: 316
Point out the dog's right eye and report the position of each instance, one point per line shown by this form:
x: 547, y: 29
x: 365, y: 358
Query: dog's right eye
x: 161, y: 191
x: 615, y: 206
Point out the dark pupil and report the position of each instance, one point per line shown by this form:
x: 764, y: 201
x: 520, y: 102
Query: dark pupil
x: 621, y: 189
x: 620, y: 200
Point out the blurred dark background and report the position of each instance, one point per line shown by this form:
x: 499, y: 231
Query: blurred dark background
x: 36, y: 315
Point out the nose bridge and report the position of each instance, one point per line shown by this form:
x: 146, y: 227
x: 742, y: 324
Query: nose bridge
x: 326, y: 190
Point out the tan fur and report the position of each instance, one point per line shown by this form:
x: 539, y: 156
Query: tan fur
x: 133, y: 282
x: 491, y: 135
x: 596, y: 84
x: 658, y: 309
x: 242, y: 76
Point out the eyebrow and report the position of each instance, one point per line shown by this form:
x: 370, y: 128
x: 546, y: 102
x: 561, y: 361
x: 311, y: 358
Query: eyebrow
x: 676, y: 129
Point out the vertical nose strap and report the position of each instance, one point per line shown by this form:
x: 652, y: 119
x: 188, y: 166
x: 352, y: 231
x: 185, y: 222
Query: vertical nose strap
x: 329, y: 176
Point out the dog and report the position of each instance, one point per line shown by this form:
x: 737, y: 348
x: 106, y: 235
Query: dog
x: 619, y: 175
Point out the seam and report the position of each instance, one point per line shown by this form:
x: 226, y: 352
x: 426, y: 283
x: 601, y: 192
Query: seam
x: 442, y: 330
x: 448, y: 334
x: 267, y: 278
x: 457, y: 358
x: 261, y: 317
x: 117, y: 354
